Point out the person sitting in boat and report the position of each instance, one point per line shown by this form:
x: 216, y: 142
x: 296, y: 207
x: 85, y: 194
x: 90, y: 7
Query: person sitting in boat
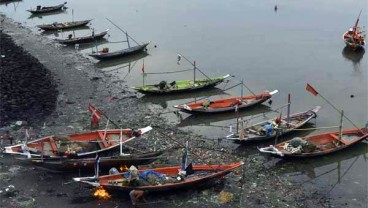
x: 173, y: 84
x: 163, y: 85
x: 269, y: 129
x: 133, y: 177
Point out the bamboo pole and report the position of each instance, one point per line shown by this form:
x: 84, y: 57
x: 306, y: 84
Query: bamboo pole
x: 340, y: 112
x: 121, y: 141
x: 123, y: 31
x: 193, y: 64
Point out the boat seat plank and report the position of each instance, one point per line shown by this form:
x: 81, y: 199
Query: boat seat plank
x: 338, y: 139
x: 103, y: 142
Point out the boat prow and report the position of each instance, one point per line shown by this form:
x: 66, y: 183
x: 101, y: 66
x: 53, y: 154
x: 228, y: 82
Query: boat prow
x: 274, y: 92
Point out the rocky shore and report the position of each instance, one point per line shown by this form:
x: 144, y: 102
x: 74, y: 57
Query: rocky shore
x: 63, y: 83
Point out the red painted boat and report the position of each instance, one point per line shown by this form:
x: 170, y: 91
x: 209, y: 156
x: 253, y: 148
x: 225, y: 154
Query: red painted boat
x: 317, y: 145
x: 88, y: 164
x: 228, y: 104
x: 203, y: 175
x: 76, y: 145
x: 354, y: 38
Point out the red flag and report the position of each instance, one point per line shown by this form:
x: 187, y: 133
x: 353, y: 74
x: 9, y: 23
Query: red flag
x: 96, y: 114
x: 311, y: 90
x: 143, y: 68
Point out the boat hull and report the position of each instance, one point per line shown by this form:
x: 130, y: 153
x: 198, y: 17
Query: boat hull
x: 86, y: 39
x: 88, y: 164
x: 47, y: 9
x: 351, y: 44
x: 119, y: 54
x: 200, y: 85
x: 224, y: 105
x: 305, y: 118
x: 216, y: 172
x: 66, y: 25
x: 326, y: 143
x: 76, y: 145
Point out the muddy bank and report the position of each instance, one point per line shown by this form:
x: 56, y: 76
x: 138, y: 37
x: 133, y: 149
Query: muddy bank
x: 79, y: 83
x: 27, y: 89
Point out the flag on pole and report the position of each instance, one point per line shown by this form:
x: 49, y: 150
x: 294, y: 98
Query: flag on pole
x: 96, y: 114
x: 143, y: 67
x: 179, y: 58
x: 310, y: 89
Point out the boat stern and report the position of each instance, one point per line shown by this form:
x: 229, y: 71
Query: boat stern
x: 183, y: 107
x: 271, y: 150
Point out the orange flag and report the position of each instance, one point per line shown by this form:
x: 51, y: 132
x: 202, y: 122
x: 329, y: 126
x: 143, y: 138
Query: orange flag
x: 310, y: 89
x: 96, y: 114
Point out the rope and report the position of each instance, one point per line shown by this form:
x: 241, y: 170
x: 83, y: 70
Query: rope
x: 169, y: 72
x: 123, y: 41
x: 306, y: 129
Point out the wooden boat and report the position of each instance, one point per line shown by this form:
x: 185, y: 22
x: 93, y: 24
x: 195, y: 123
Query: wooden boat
x: 228, y: 104
x: 203, y: 175
x: 180, y: 86
x: 259, y: 131
x: 75, y: 145
x: 355, y: 37
x: 317, y: 145
x: 84, y: 39
x: 105, y: 54
x: 67, y: 164
x: 40, y: 9
x: 64, y: 25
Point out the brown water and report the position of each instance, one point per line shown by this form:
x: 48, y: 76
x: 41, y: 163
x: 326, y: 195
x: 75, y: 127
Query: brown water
x: 300, y: 43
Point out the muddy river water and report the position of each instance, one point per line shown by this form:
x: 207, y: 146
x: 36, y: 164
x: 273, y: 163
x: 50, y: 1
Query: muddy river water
x: 269, y: 49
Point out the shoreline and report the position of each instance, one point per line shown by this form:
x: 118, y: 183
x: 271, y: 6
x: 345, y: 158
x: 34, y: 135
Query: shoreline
x: 80, y: 82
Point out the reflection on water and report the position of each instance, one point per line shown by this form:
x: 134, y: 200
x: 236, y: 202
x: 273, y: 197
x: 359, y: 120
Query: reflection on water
x: 84, y: 46
x: 195, y: 96
x: 41, y: 15
x: 57, y: 33
x: 203, y: 119
x: 353, y: 56
x: 121, y: 60
x: 7, y: 2
x: 311, y: 165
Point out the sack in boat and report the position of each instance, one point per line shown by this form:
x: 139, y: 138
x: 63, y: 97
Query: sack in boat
x: 309, y: 147
x: 296, y: 142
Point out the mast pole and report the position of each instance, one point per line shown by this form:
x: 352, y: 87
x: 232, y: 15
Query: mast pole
x: 143, y: 73
x: 127, y: 37
x: 288, y: 109
x: 341, y: 124
x: 121, y: 141
x: 241, y: 91
x: 194, y: 72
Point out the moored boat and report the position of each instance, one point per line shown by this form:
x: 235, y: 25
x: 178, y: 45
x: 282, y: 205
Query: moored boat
x: 64, y: 25
x: 227, y: 104
x: 40, y: 9
x: 270, y: 128
x: 74, y: 164
x: 104, y: 54
x: 167, y: 178
x: 317, y: 145
x: 83, y: 39
x: 76, y: 145
x: 355, y: 38
x: 180, y: 86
